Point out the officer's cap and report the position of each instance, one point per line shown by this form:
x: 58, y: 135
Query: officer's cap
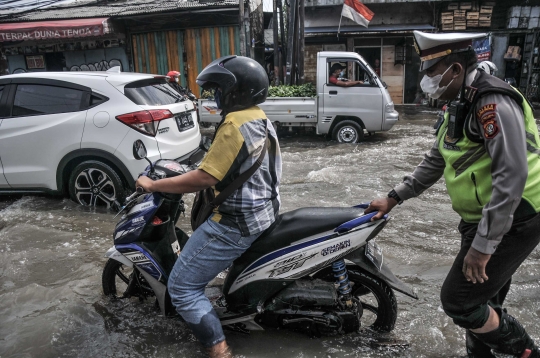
x: 434, y: 47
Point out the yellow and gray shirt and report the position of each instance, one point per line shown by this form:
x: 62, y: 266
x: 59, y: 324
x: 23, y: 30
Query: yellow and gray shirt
x: 239, y: 141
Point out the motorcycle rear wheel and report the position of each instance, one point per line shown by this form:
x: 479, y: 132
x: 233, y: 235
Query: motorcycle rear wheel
x: 377, y: 298
x: 115, y: 281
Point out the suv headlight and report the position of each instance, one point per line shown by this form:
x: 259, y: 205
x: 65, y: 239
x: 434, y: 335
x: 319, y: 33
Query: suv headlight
x: 389, y: 108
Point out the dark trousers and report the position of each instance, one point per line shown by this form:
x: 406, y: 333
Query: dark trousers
x: 467, y: 303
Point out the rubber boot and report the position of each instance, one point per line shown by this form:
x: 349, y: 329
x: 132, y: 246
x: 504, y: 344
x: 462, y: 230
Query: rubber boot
x: 220, y: 350
x: 476, y: 348
x: 509, y: 338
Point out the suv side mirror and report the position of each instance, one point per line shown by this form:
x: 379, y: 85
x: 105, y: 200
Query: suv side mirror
x: 205, y: 143
x: 139, y: 150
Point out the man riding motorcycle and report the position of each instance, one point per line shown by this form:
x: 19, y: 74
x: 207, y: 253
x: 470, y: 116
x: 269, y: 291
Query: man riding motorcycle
x: 240, y: 83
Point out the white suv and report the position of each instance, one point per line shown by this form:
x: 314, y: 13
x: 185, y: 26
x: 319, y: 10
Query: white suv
x: 73, y: 132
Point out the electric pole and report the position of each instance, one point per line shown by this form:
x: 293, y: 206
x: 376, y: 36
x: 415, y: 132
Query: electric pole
x: 301, y: 17
x: 242, y: 28
x: 277, y: 71
x: 291, y: 48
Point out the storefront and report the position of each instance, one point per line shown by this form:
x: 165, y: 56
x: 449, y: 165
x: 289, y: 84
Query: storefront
x: 187, y: 51
x: 92, y: 44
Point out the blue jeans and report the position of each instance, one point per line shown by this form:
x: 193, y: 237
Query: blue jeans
x: 211, y: 249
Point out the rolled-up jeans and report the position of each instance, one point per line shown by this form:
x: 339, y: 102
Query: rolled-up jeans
x: 211, y: 249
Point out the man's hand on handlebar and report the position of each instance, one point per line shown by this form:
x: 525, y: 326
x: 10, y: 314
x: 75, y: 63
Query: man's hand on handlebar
x: 146, y: 183
x: 382, y: 205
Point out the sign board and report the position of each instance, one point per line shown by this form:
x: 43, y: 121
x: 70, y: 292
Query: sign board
x: 50, y: 30
x: 482, y: 49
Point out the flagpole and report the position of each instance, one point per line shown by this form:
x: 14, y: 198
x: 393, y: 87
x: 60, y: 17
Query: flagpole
x: 339, y: 27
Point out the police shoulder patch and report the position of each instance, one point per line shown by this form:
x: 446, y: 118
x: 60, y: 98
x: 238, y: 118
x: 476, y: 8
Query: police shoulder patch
x: 490, y: 128
x: 491, y: 107
x: 487, y: 116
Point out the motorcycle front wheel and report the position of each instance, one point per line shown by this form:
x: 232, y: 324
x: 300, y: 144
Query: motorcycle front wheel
x: 120, y: 281
x: 377, y: 298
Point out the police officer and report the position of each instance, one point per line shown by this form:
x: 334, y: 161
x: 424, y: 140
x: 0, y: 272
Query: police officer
x: 487, y: 148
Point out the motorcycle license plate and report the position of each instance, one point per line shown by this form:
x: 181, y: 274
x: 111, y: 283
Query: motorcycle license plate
x: 184, y: 121
x: 374, y: 254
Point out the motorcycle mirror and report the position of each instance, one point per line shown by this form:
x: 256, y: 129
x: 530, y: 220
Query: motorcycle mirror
x: 139, y: 150
x: 205, y: 143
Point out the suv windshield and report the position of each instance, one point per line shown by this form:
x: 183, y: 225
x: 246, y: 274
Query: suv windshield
x: 152, y: 92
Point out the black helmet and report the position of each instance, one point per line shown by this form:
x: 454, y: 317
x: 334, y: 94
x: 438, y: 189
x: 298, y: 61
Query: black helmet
x: 243, y: 82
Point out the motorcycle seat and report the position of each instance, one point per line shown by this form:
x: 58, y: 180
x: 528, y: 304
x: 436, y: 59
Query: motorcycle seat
x: 301, y: 223
x: 294, y: 226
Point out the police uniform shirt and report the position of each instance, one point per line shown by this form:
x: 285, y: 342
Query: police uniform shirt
x: 506, y: 145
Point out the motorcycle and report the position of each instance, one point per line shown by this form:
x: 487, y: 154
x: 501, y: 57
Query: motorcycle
x: 316, y: 270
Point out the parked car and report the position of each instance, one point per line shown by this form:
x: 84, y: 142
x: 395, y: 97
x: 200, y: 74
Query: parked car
x: 73, y: 132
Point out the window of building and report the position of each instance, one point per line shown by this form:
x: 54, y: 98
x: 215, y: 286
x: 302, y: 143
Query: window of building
x: 33, y: 99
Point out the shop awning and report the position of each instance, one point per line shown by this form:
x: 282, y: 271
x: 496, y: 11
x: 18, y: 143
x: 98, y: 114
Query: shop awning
x: 50, y: 30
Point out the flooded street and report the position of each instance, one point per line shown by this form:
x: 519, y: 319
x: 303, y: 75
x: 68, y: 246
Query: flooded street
x: 52, y: 255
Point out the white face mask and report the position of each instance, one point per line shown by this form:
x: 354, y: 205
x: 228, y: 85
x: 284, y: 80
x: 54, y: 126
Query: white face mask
x: 342, y: 74
x: 430, y: 85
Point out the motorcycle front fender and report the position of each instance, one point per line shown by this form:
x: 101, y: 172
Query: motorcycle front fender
x: 359, y: 258
x: 112, y: 253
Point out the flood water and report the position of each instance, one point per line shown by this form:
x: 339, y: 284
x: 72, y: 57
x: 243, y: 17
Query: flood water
x: 52, y: 256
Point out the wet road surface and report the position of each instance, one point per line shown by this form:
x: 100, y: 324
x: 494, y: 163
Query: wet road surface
x: 52, y: 256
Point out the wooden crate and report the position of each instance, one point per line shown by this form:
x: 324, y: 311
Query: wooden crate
x: 453, y: 6
x: 489, y: 3
x: 447, y: 17
x: 447, y: 27
x: 465, y: 6
x: 484, y: 23
x: 460, y: 13
x: 486, y: 9
x: 472, y: 23
x: 460, y: 25
x: 473, y: 15
x: 484, y: 17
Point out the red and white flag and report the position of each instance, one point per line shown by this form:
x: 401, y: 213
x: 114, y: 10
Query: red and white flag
x: 357, y: 12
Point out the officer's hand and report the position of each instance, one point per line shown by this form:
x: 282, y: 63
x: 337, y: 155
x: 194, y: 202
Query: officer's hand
x: 382, y: 205
x: 145, y: 182
x: 474, y: 266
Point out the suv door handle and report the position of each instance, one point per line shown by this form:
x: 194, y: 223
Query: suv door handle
x: 332, y: 92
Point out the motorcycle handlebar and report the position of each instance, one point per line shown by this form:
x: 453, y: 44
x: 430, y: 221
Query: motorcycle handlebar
x: 138, y: 191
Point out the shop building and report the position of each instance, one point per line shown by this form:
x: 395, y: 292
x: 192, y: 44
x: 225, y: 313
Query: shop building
x: 92, y: 44
x: 513, y: 36
x: 137, y: 35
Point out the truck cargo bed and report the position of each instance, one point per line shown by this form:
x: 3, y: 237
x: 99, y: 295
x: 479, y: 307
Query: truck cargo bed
x: 284, y: 110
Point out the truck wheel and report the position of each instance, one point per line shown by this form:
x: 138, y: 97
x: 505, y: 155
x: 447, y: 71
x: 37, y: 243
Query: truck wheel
x: 348, y: 132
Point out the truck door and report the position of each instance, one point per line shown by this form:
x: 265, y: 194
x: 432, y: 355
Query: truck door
x: 363, y: 101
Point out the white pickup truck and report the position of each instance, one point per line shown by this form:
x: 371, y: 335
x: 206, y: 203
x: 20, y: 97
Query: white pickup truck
x: 343, y: 112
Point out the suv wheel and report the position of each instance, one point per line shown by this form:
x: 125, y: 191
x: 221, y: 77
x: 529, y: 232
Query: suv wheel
x: 348, y: 132
x: 94, y: 183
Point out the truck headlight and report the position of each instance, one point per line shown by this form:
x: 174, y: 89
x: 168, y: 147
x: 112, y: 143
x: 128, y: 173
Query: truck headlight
x: 389, y: 108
